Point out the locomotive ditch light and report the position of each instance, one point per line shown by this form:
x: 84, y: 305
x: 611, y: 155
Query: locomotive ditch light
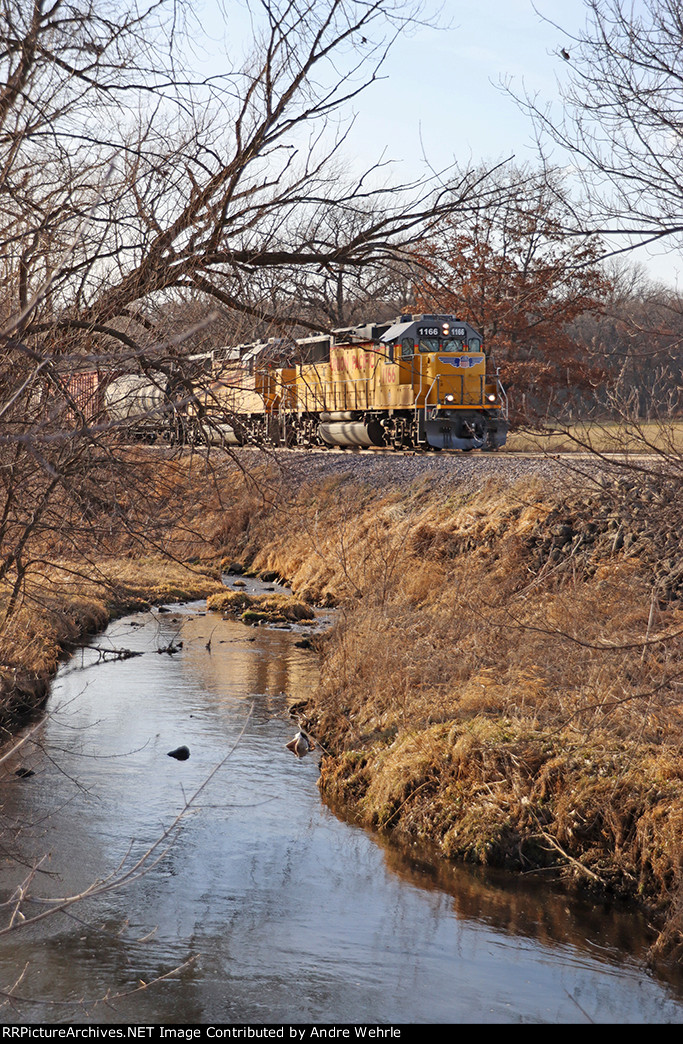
x: 491, y: 397
x: 449, y: 398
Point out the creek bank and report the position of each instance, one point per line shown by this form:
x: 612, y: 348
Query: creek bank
x: 58, y: 617
x: 501, y: 681
x: 259, y: 843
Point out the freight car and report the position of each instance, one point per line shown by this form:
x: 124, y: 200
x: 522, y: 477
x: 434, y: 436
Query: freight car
x: 419, y: 381
x: 140, y: 406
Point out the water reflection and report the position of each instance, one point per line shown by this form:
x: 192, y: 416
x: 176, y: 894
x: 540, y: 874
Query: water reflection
x: 526, y: 905
x: 284, y: 912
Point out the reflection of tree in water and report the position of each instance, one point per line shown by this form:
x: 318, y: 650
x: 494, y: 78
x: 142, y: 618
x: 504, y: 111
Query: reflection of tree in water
x: 246, y: 661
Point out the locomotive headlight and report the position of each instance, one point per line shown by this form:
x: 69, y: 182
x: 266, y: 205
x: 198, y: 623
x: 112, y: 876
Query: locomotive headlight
x: 449, y: 398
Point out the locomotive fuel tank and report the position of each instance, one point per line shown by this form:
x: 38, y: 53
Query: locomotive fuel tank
x: 349, y: 433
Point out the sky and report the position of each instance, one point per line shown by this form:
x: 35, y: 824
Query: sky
x: 440, y: 95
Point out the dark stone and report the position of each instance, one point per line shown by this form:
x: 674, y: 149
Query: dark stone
x: 180, y: 753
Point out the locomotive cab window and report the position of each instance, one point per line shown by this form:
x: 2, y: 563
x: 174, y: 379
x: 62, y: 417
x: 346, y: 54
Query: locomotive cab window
x: 429, y: 344
x: 474, y: 344
x: 452, y: 344
x: 407, y: 348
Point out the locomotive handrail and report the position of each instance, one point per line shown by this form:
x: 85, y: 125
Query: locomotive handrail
x: 419, y: 392
x: 349, y: 391
x: 429, y: 392
x: 353, y: 384
x: 503, y: 395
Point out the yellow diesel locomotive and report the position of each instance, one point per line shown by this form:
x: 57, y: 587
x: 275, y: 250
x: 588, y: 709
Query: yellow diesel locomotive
x: 417, y: 382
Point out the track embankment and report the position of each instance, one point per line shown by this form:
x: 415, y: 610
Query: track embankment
x: 386, y: 468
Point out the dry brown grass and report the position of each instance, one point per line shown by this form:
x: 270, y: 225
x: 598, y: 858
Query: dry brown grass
x: 511, y: 698
x: 67, y: 604
x: 513, y: 713
x: 176, y: 518
x: 162, y: 543
x: 602, y: 437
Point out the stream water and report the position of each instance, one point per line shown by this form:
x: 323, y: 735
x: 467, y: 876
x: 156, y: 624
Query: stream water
x: 262, y: 905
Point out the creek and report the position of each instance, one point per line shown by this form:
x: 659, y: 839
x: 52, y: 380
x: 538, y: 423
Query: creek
x: 262, y: 905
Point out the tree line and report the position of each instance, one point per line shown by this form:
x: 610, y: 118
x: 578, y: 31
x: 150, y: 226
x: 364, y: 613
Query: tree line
x: 149, y: 214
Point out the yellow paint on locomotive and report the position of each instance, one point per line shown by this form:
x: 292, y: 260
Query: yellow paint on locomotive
x: 313, y: 388
x: 449, y: 380
x: 358, y: 378
x: 364, y: 377
x: 239, y: 392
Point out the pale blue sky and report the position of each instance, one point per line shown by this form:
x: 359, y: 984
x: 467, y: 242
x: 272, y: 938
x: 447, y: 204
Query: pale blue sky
x: 440, y: 94
x: 443, y: 86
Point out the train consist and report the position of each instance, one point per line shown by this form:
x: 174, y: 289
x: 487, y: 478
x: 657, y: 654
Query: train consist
x: 418, y: 382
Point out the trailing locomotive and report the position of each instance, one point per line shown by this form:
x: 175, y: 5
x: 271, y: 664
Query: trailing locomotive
x: 417, y: 382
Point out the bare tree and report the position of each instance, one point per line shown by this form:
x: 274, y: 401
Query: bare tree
x: 637, y: 336
x: 620, y: 118
x: 128, y: 185
x: 157, y: 182
x: 617, y: 127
